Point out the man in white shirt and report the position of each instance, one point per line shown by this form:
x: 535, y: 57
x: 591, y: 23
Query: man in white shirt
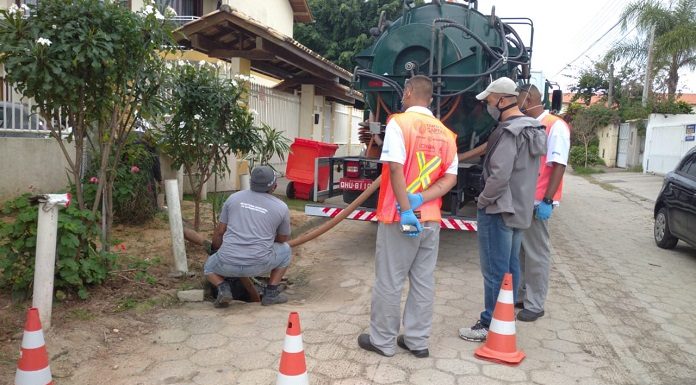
x: 420, y: 166
x: 535, y: 256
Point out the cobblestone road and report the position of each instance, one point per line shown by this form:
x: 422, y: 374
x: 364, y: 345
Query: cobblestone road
x: 620, y: 311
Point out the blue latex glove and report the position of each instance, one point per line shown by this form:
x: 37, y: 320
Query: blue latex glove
x: 409, y: 218
x: 414, y: 200
x: 543, y: 211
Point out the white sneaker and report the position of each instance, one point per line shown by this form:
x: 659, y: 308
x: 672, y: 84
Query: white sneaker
x: 476, y: 333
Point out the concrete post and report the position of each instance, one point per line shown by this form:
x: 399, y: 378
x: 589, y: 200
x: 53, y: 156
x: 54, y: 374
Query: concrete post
x: 44, y: 270
x: 307, y: 111
x: 176, y: 226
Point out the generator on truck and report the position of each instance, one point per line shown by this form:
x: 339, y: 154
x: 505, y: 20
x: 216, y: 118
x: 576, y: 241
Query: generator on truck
x: 462, y: 51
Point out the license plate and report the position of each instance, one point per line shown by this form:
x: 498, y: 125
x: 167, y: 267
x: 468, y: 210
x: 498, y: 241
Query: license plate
x: 354, y: 184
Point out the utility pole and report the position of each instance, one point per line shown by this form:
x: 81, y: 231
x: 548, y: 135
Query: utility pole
x: 648, y: 70
x: 610, y: 98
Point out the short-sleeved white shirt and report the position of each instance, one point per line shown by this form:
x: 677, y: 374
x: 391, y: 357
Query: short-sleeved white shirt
x: 394, y: 147
x: 558, y: 142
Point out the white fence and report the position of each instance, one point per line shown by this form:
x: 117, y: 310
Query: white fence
x: 281, y: 110
x: 668, y: 138
x: 17, y: 115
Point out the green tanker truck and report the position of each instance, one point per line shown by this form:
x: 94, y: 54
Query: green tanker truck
x: 462, y: 50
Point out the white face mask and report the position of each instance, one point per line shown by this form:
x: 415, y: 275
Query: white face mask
x: 493, y: 112
x: 525, y: 110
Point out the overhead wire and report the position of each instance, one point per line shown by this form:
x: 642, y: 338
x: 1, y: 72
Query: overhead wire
x: 602, y: 18
x: 588, y: 48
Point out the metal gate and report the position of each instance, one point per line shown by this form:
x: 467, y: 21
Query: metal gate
x: 622, y: 155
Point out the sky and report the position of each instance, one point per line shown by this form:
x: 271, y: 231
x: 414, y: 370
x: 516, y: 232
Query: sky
x: 565, y: 32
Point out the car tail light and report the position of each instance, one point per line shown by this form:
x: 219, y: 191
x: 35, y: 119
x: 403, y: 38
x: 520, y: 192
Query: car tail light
x: 375, y: 84
x: 353, y: 169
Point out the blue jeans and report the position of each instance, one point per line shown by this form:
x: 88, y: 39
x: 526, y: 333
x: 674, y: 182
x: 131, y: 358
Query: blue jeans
x: 499, y: 250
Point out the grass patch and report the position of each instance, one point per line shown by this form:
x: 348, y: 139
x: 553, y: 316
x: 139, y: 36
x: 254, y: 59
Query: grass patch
x: 127, y: 303
x: 294, y: 204
x: 144, y: 305
x: 638, y: 168
x: 587, y: 170
x: 81, y: 314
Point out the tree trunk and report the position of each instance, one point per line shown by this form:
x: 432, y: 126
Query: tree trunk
x: 672, y: 79
x: 587, y: 145
x: 108, y: 214
x: 197, y: 212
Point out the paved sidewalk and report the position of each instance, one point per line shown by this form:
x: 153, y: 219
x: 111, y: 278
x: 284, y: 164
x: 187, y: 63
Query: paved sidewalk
x: 619, y: 312
x: 646, y: 186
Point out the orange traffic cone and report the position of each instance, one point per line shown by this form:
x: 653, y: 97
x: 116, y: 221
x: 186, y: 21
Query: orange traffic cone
x: 32, y: 367
x: 501, y: 345
x: 293, y: 368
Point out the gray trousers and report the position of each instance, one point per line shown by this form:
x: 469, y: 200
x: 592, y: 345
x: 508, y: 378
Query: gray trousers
x: 397, y: 257
x: 535, y: 262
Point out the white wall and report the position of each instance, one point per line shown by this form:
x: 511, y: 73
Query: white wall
x: 276, y: 14
x: 34, y: 165
x: 281, y: 110
x: 608, y: 140
x: 665, y: 142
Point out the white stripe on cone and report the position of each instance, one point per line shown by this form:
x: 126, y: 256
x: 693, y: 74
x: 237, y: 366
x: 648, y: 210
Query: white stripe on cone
x: 505, y: 296
x: 293, y: 344
x: 33, y: 340
x: 36, y: 377
x: 302, y: 379
x: 506, y: 328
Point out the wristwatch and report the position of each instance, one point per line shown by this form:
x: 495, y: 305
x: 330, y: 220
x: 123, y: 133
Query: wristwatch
x: 547, y: 201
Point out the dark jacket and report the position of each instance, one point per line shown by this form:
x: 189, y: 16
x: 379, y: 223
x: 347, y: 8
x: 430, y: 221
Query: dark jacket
x: 510, y: 170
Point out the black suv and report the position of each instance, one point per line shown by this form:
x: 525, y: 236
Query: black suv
x: 675, y: 209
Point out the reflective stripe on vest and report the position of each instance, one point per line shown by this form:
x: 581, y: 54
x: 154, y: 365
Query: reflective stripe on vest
x: 544, y: 169
x: 430, y: 148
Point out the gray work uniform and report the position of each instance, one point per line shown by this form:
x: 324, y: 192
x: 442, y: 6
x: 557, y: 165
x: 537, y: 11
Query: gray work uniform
x: 253, y: 220
x: 535, y: 261
x: 396, y: 258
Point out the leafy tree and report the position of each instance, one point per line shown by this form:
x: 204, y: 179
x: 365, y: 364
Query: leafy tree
x: 591, y: 81
x: 209, y: 121
x: 594, y: 80
x: 674, y: 46
x: 342, y: 27
x: 587, y: 121
x: 97, y: 65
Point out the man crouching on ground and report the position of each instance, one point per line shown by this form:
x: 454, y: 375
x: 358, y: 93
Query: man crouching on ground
x: 251, y: 239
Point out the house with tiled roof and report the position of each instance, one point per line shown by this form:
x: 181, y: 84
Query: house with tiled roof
x: 293, y: 89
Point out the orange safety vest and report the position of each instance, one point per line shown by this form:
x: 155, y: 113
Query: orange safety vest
x: 545, y: 170
x: 430, y: 149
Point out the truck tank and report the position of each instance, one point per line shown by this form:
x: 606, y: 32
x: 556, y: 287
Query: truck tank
x: 458, y: 47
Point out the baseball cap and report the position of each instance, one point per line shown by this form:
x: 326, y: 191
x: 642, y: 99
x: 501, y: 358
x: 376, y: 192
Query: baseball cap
x: 262, y: 178
x: 503, y: 86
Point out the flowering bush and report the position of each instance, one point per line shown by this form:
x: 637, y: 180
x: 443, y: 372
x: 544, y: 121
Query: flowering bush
x: 100, y: 65
x: 78, y: 262
x: 135, y: 186
x: 209, y: 121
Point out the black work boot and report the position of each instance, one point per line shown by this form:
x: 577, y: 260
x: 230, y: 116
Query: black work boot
x: 224, y: 296
x: 272, y: 296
